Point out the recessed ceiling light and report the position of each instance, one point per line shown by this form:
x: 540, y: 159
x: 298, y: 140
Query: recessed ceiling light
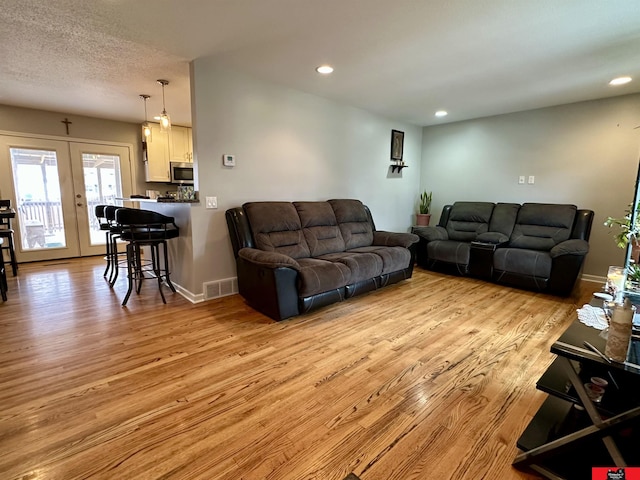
x: 442, y: 113
x: 620, y: 81
x: 324, y: 69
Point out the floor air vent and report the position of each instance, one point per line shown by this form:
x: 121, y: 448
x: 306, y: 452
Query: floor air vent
x: 220, y: 288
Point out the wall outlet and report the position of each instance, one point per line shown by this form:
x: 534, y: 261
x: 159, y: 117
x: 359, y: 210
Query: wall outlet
x: 532, y: 179
x: 211, y: 202
x: 521, y: 179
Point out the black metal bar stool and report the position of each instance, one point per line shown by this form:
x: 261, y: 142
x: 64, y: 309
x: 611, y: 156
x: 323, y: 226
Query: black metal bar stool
x: 106, y: 228
x: 113, y: 235
x: 6, y: 232
x: 146, y: 228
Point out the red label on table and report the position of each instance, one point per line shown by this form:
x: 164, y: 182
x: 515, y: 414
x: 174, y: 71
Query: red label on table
x: 615, y: 473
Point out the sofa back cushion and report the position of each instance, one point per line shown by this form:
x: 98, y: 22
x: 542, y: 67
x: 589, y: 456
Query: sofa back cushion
x: 320, y: 228
x: 541, y: 226
x: 468, y: 219
x: 503, y: 218
x: 276, y: 228
x: 356, y: 229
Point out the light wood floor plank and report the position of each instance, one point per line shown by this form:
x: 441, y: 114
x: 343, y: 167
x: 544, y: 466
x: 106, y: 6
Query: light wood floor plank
x: 430, y: 378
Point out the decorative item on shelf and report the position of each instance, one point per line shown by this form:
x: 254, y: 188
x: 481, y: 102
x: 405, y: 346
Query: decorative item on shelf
x: 423, y: 217
x: 397, y: 145
x: 165, y: 120
x: 616, y: 277
x: 626, y: 234
x: 186, y: 192
x: 397, y: 148
x: 146, y: 128
x: 620, y: 331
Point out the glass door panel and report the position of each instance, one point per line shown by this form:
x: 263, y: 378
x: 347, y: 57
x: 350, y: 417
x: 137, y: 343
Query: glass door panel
x: 40, y: 187
x: 37, y: 186
x: 104, y: 174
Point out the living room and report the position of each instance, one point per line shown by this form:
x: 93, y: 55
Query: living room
x: 294, y: 145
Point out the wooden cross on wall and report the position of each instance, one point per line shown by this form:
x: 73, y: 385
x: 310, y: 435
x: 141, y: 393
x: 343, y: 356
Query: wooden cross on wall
x: 66, y: 124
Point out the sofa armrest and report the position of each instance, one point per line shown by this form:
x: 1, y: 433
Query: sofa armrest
x: 431, y: 233
x: 393, y: 239
x: 570, y: 247
x: 494, y: 238
x: 268, y: 259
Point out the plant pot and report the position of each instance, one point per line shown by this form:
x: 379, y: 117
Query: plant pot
x: 423, y: 219
x: 635, y: 251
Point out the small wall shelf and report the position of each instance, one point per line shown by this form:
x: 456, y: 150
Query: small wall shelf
x: 398, y: 168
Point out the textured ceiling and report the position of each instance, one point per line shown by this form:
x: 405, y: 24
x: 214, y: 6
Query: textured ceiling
x: 403, y: 59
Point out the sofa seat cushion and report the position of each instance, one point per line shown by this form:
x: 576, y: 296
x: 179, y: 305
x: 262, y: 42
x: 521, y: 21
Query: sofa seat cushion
x: 276, y: 228
x: 522, y: 261
x: 449, y: 251
x: 318, y: 276
x: 363, y: 266
x: 355, y: 226
x: 320, y: 228
x: 393, y: 258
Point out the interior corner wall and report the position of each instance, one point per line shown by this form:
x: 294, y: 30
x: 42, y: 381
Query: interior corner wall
x: 583, y: 153
x: 289, y: 145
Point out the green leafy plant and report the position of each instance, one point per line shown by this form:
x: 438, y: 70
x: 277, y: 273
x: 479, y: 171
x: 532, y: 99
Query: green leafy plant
x: 626, y: 233
x: 425, y: 202
x: 633, y: 272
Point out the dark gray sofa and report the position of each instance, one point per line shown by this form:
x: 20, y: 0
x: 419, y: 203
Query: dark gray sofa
x: 293, y: 257
x: 534, y: 245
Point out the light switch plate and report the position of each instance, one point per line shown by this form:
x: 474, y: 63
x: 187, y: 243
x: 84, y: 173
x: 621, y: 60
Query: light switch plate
x: 211, y: 202
x: 228, y: 160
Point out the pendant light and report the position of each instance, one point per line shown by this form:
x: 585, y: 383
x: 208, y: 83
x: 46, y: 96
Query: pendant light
x: 146, y: 128
x: 165, y: 121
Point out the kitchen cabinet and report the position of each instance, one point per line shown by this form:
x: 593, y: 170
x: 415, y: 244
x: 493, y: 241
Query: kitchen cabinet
x: 156, y: 165
x: 164, y: 147
x: 180, y: 147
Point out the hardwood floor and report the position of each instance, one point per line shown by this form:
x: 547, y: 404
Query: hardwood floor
x: 432, y: 378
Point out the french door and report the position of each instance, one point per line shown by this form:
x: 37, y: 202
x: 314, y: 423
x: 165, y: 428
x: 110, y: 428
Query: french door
x: 54, y: 186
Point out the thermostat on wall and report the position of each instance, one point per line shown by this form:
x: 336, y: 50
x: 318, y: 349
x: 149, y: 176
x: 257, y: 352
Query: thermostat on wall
x: 229, y: 160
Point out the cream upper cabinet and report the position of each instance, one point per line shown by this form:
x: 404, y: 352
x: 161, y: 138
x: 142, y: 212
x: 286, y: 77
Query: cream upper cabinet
x: 165, y: 147
x: 157, y: 161
x: 180, y: 146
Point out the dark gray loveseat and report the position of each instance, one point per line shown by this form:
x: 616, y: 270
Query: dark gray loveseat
x: 536, y: 246
x: 293, y: 257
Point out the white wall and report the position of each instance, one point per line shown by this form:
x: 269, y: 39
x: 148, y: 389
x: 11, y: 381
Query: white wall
x: 584, y: 153
x: 289, y: 145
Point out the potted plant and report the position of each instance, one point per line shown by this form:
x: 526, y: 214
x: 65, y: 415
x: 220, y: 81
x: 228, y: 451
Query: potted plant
x: 424, y: 208
x: 626, y: 233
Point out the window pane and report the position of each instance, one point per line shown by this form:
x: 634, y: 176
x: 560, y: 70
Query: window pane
x: 102, y: 186
x: 37, y: 186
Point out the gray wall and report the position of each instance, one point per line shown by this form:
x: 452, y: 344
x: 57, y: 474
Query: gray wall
x: 584, y: 153
x: 289, y: 145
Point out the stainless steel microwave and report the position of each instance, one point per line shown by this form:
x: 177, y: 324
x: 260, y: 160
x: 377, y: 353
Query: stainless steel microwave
x: 181, y: 173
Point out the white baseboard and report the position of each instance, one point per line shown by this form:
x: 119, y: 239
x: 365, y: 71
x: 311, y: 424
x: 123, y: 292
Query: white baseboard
x: 192, y: 297
x: 211, y: 290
